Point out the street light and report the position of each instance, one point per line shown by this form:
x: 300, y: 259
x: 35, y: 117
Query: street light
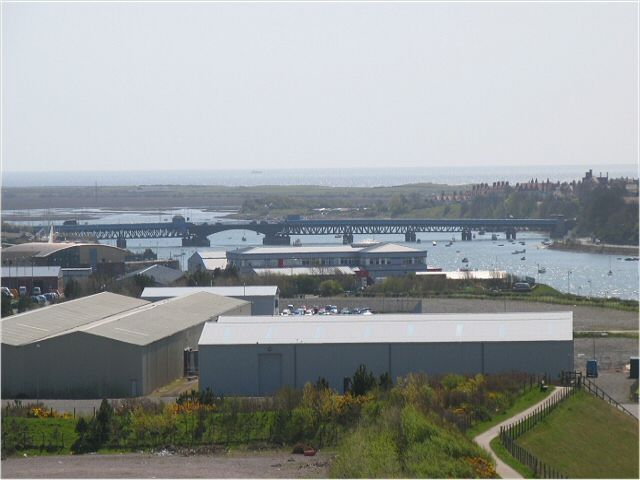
x: 590, y: 291
x: 37, y: 373
x: 569, y: 272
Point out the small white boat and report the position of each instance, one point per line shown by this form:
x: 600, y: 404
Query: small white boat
x: 434, y: 243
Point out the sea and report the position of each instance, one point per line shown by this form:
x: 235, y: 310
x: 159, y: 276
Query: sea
x: 575, y: 272
x: 343, y: 177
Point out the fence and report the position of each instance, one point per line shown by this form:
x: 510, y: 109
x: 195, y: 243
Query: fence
x: 576, y: 379
x: 19, y: 441
x: 510, y: 433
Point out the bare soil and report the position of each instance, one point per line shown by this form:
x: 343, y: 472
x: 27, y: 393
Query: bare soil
x: 271, y: 464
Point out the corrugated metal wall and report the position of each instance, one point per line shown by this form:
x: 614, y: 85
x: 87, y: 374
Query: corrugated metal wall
x: 234, y: 369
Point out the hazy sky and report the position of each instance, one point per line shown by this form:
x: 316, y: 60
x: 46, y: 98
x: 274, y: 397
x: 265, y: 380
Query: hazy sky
x: 191, y: 86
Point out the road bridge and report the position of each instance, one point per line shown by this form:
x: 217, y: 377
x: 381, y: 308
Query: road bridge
x: 279, y: 233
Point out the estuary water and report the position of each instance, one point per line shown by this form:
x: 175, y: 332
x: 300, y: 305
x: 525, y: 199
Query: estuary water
x: 575, y: 272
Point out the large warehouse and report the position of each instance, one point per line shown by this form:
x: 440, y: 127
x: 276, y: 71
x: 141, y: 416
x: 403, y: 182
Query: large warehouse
x: 102, y: 258
x: 263, y: 298
x: 257, y: 356
x: 105, y: 345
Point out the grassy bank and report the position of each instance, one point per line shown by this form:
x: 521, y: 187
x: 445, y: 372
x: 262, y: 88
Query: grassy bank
x: 523, y: 402
x: 586, y: 438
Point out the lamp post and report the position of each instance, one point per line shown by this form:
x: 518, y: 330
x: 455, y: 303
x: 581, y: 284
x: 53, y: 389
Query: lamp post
x: 37, y: 373
x: 569, y: 272
x: 590, y: 290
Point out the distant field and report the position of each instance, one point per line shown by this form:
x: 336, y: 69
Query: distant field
x: 202, y: 196
x: 586, y: 438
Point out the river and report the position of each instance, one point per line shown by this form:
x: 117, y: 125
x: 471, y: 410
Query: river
x: 574, y: 272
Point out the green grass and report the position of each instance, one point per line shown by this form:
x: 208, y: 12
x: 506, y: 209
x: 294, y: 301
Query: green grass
x: 524, y: 401
x: 505, y: 456
x: 43, y: 431
x: 585, y: 437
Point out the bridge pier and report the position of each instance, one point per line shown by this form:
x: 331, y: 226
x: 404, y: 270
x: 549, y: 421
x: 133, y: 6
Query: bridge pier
x: 121, y: 242
x: 511, y: 234
x: 466, y: 235
x: 410, y: 237
x: 276, y: 240
x: 347, y: 239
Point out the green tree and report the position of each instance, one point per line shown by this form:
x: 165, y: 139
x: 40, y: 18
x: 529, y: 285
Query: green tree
x: 7, y: 309
x: 329, y: 288
x: 363, y: 380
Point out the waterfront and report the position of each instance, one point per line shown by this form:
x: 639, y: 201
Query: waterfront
x: 575, y: 272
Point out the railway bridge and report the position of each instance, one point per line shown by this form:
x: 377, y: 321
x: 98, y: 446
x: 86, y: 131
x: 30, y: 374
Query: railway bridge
x: 279, y: 233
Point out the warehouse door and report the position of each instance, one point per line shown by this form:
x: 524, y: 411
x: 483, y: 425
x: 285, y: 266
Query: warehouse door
x: 269, y: 373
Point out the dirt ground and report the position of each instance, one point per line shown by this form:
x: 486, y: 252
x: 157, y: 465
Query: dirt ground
x: 271, y: 464
x: 584, y: 318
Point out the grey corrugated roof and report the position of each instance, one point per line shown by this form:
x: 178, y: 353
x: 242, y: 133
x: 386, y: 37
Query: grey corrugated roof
x: 161, y: 274
x: 162, y: 319
x: 21, y: 272
x: 43, y: 249
x: 35, y: 325
x: 394, y: 328
x: 240, y: 291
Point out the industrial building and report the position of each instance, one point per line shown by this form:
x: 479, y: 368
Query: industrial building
x: 263, y: 298
x: 257, y: 356
x: 379, y: 260
x: 46, y: 278
x: 102, y: 259
x: 207, y: 261
x: 105, y: 345
x: 161, y: 275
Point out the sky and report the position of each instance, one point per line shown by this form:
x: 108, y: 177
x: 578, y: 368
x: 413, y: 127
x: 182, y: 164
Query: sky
x: 168, y: 86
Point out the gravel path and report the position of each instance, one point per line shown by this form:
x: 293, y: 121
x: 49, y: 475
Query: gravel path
x: 484, y: 439
x: 136, y: 465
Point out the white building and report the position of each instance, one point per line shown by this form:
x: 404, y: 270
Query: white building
x: 207, y: 261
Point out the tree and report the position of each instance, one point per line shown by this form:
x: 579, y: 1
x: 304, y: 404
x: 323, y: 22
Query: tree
x: 329, y: 288
x: 363, y: 380
x: 7, y: 309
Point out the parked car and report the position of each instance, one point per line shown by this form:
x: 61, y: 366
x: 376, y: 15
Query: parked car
x: 51, y: 297
x: 345, y: 311
x: 521, y: 287
x: 41, y: 299
x: 36, y: 291
x: 23, y: 291
x: 7, y: 292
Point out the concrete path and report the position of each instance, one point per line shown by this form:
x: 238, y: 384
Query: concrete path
x: 504, y: 470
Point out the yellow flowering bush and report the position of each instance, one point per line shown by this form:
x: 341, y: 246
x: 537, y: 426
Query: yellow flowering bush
x: 39, y: 412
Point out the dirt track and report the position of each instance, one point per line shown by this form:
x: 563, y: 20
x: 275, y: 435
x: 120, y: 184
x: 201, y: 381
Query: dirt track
x: 136, y: 465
